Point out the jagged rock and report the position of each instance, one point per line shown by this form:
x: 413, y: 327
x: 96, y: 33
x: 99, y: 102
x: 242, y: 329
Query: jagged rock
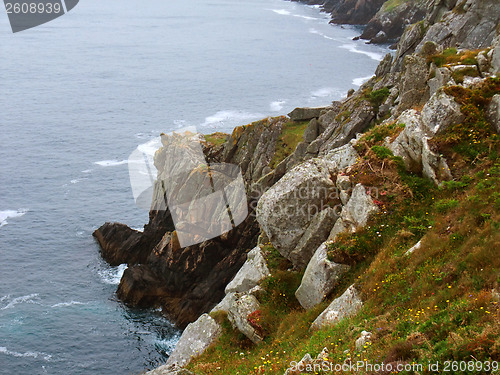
x: 320, y: 278
x: 483, y: 62
x: 364, y: 339
x: 471, y: 24
x: 141, y: 287
x: 413, y: 89
x: 440, y: 112
x: 341, y: 158
x: 195, y: 339
x: 391, y: 22
x: 343, y: 182
x: 353, y: 12
x: 355, y: 213
x: 238, y: 316
x: 312, y: 131
x: 253, y: 271
x: 340, y: 133
x: 120, y: 244
x: 345, y: 306
x: 495, y: 56
x: 408, y: 43
x: 442, y: 77
x: 305, y: 113
x: 318, y: 230
x: 494, y: 112
x: 412, y: 146
x: 286, y: 209
x: 226, y: 303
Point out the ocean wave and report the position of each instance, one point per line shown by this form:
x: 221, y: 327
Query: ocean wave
x: 112, y: 275
x: 167, y: 345
x: 11, y: 214
x: 352, y: 48
x: 149, y: 148
x: 66, y: 304
x: 359, y: 81
x: 15, y: 301
x: 282, y: 12
x: 111, y: 163
x: 314, y: 31
x: 232, y: 116
x: 277, y: 105
x: 87, y: 171
x: 324, y: 92
x: 45, y: 356
x: 77, y: 180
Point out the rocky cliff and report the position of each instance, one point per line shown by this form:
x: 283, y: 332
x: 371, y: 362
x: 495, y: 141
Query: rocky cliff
x: 337, y: 191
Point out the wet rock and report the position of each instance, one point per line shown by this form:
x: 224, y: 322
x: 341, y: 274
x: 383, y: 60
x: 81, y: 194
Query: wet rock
x: 320, y: 278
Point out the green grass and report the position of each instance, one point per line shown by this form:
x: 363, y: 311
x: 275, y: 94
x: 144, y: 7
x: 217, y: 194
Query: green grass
x: 291, y: 134
x: 216, y: 139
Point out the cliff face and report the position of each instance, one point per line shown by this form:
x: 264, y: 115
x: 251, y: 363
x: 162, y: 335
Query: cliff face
x: 312, y: 153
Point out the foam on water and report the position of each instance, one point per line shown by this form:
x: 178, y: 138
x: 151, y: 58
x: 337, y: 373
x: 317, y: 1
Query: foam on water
x: 44, y: 356
x: 351, y: 47
x: 111, y: 163
x: 359, y: 81
x: 277, y: 105
x: 282, y: 12
x: 66, y: 304
x: 11, y: 303
x: 112, y: 275
x: 325, y: 92
x: 11, y: 214
x: 229, y: 117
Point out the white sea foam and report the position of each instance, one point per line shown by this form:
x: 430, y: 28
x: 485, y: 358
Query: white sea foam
x: 112, y: 275
x: 87, y: 171
x: 352, y: 48
x: 283, y: 12
x: 66, y: 304
x: 168, y: 345
x: 359, y: 81
x: 277, y: 105
x: 15, y: 301
x: 77, y: 180
x: 111, y: 163
x: 314, y: 31
x: 231, y: 116
x: 4, y: 350
x: 11, y: 214
x: 149, y: 148
x: 324, y: 92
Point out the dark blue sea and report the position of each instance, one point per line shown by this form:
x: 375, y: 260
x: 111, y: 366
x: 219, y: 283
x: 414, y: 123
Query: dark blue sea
x: 77, y: 96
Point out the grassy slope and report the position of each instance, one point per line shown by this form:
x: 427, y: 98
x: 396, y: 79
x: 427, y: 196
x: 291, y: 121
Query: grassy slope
x: 433, y: 305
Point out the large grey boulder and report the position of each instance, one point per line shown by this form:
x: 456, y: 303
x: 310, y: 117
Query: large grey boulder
x: 442, y: 77
x: 341, y: 158
x: 226, y: 303
x: 320, y: 278
x: 238, y: 316
x: 317, y: 232
x: 195, y: 339
x: 286, y: 209
x: 345, y: 306
x: 355, y: 213
x: 494, y: 112
x: 441, y: 112
x: 250, y: 274
x: 305, y: 113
